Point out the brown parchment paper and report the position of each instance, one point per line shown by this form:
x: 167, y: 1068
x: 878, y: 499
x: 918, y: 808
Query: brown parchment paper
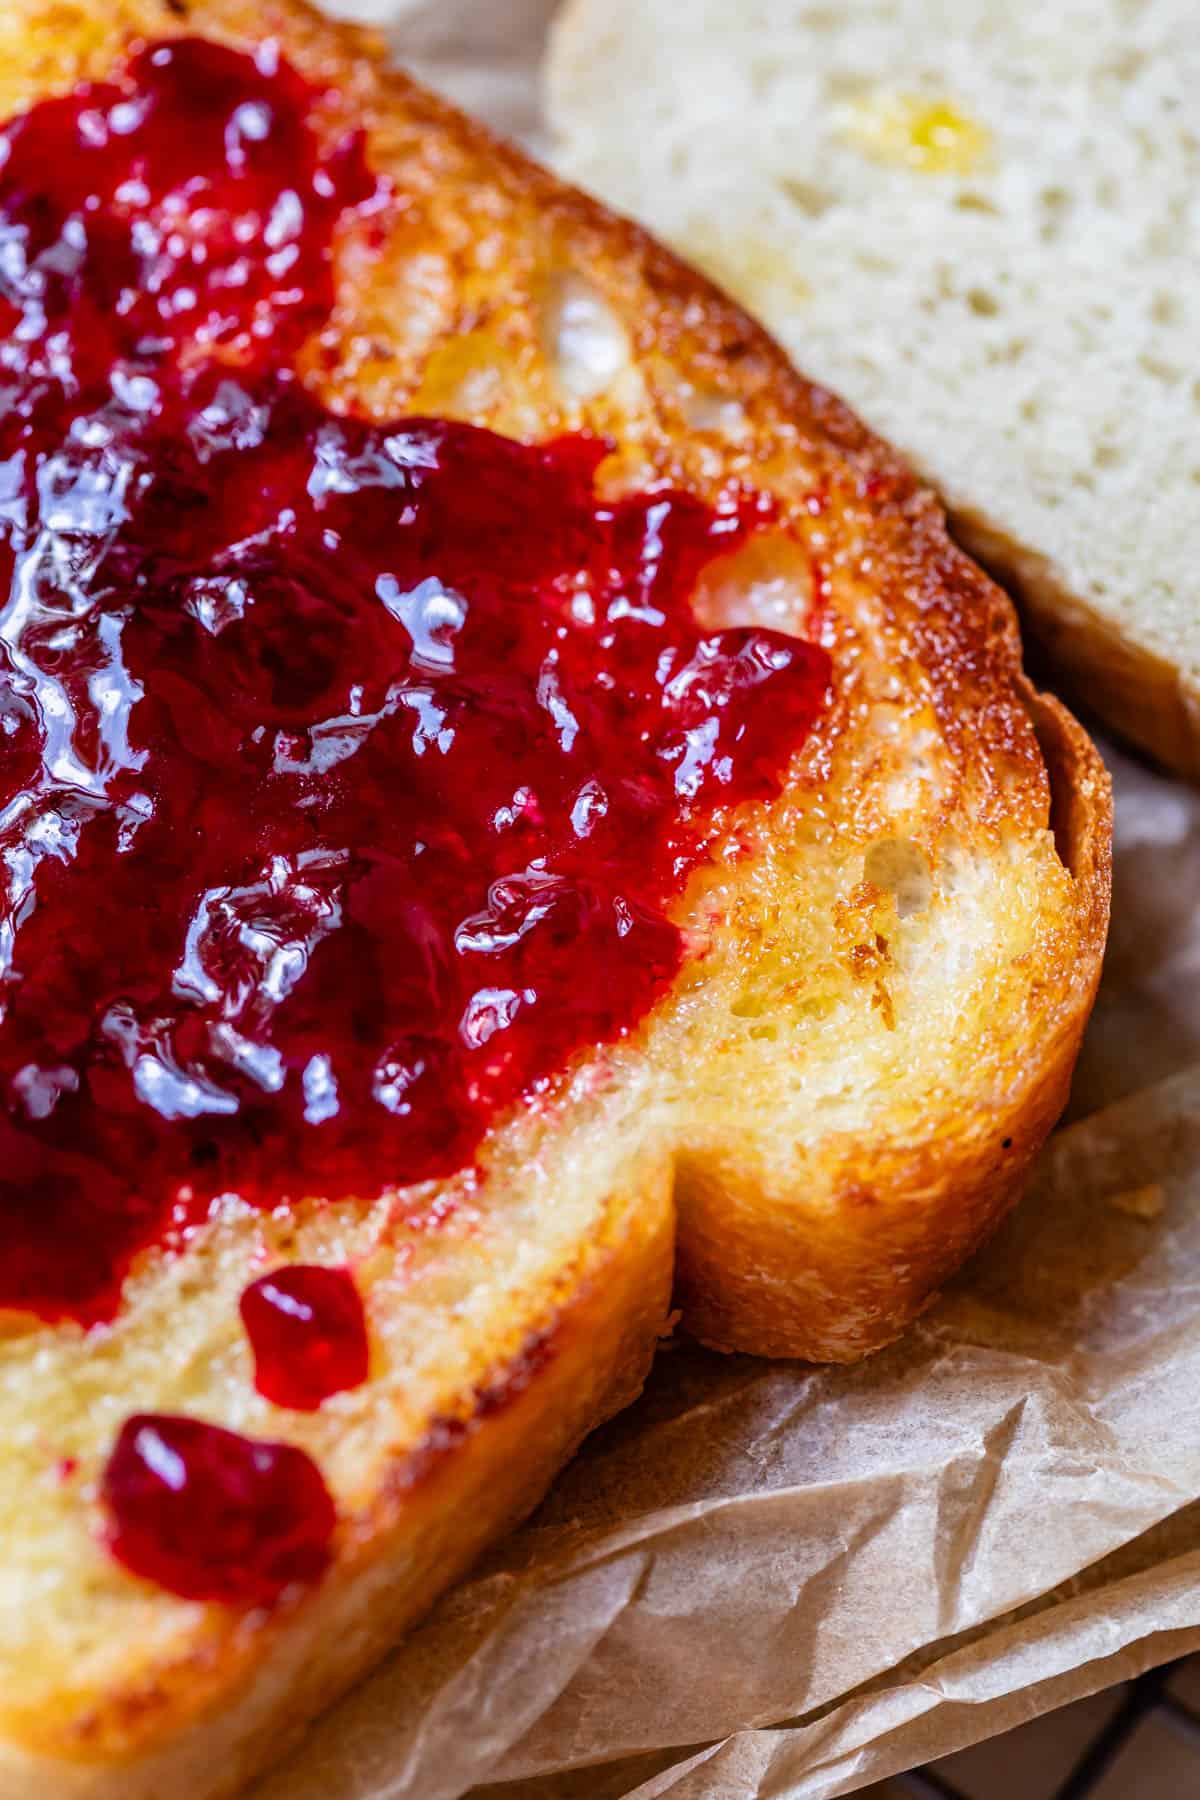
x: 772, y: 1580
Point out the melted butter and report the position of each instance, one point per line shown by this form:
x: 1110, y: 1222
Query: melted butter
x: 933, y: 136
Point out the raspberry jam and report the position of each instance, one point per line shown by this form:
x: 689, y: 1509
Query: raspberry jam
x: 214, y: 1516
x: 347, y: 769
x: 308, y: 1334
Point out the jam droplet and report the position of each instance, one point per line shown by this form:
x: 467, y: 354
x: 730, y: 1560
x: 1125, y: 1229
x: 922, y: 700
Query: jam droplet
x: 309, y: 1335
x: 347, y: 769
x: 214, y: 1516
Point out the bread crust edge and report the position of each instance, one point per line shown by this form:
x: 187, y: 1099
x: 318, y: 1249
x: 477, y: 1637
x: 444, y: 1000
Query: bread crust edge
x: 247, y: 1687
x: 1143, y: 696
x: 842, y: 1280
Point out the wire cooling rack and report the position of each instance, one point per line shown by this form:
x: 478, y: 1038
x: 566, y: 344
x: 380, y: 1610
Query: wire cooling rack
x: 1147, y: 1698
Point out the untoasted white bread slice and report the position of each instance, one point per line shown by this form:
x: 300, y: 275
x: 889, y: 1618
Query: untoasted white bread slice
x: 977, y: 222
x: 890, y: 968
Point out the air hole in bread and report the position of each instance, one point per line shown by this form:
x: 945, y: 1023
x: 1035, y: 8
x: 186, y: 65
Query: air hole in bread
x: 585, y: 342
x: 1167, y: 373
x: 703, y: 410
x: 1010, y: 352
x: 806, y: 196
x: 970, y: 201
x: 901, y: 868
x: 768, y: 582
x: 764, y: 1033
x: 751, y: 1005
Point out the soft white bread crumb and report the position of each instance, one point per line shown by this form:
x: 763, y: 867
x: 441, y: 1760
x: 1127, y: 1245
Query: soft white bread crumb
x: 977, y: 220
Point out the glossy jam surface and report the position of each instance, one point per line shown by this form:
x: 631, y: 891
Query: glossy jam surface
x: 308, y: 1333
x: 346, y: 769
x: 214, y: 1516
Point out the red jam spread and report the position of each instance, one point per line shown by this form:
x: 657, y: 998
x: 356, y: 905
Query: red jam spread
x: 308, y: 1333
x: 347, y: 769
x: 214, y: 1516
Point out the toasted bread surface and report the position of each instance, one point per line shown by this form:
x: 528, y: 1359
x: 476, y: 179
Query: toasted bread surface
x: 975, y: 222
x: 889, y: 970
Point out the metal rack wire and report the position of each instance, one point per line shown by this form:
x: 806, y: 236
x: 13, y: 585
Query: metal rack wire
x: 1146, y: 1697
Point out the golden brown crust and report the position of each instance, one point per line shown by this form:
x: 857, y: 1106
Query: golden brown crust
x: 759, y: 1272
x: 1141, y: 695
x: 764, y: 1264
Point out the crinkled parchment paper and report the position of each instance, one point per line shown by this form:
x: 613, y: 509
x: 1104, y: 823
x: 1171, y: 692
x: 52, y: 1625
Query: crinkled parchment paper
x: 770, y: 1580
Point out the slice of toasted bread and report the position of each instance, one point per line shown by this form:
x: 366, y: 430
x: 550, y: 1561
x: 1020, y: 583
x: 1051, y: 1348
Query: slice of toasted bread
x: 976, y: 223
x: 890, y: 968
